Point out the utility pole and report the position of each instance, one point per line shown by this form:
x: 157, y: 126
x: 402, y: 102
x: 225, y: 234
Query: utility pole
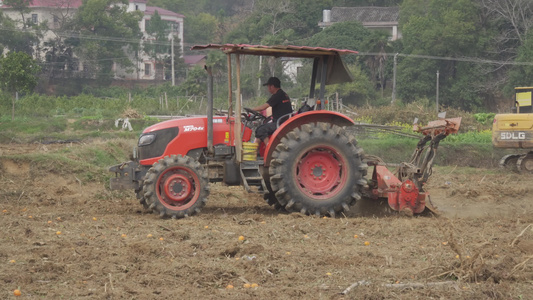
x: 172, y: 58
x: 437, y: 98
x: 259, y: 79
x: 394, y: 78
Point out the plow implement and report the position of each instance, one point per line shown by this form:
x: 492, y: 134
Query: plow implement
x: 404, y: 190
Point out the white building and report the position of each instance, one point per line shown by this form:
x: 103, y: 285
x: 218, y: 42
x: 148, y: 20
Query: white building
x: 372, y: 17
x: 57, y: 12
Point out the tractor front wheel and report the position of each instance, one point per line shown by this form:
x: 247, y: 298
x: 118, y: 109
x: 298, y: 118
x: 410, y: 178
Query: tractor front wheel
x: 176, y: 187
x: 317, y: 169
x: 139, y: 193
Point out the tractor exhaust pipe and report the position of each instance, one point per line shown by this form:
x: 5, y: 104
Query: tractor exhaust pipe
x: 210, y: 148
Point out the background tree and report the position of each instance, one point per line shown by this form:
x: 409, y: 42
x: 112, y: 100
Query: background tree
x: 103, y: 27
x: 18, y: 73
x: 157, y: 44
x: 346, y: 35
x: 59, y: 47
x: 522, y: 74
x: 349, y: 3
x: 201, y: 29
x: 442, y: 29
x: 359, y: 92
x: 22, y: 7
x: 13, y: 39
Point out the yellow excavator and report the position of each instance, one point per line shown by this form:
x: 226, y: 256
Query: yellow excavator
x: 515, y: 131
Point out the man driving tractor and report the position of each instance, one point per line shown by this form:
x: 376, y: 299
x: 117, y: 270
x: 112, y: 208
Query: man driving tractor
x: 281, y: 105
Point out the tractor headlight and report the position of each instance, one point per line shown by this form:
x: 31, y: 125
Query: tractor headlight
x: 146, y: 139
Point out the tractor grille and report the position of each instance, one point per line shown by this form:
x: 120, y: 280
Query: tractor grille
x: 158, y: 146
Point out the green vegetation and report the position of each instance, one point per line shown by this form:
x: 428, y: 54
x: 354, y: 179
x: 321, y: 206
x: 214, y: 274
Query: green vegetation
x: 79, y: 161
x: 481, y: 50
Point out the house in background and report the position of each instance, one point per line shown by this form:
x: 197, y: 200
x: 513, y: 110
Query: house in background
x: 372, y: 17
x: 195, y: 60
x: 57, y: 12
x: 148, y: 68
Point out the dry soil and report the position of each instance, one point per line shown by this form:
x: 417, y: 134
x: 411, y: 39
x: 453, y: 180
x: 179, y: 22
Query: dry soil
x: 63, y: 238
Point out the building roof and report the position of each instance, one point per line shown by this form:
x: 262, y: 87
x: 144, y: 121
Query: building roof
x: 162, y: 12
x: 77, y: 3
x: 52, y: 3
x: 366, y: 14
x: 193, y: 59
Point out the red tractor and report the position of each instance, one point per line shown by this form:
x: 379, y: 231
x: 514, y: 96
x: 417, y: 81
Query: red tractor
x: 311, y: 165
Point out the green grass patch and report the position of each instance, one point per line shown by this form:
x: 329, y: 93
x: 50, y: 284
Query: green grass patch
x: 63, y: 129
x: 87, y: 162
x: 473, y: 149
x: 25, y: 125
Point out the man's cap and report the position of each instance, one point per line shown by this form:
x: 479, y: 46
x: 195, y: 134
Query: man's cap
x: 273, y: 81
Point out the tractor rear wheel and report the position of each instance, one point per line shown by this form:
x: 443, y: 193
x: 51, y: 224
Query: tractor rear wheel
x: 176, y: 187
x: 317, y: 169
x: 270, y: 196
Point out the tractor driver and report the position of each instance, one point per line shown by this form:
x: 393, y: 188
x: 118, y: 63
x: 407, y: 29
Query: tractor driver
x: 281, y: 105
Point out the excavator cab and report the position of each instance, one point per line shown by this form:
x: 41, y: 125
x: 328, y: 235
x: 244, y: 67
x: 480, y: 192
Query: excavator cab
x: 515, y: 131
x: 523, y: 96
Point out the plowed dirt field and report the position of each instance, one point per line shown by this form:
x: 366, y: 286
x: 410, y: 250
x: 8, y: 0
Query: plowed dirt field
x: 66, y: 238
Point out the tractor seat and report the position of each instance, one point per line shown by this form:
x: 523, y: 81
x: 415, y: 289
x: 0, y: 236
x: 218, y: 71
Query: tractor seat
x: 304, y: 108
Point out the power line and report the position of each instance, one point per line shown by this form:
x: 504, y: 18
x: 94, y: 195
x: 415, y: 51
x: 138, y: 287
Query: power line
x: 168, y: 43
x: 92, y: 37
x: 464, y: 59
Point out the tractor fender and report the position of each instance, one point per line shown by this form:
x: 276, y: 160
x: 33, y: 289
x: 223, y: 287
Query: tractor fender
x: 300, y: 119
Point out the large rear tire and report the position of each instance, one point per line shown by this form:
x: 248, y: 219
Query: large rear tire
x: 317, y: 169
x: 176, y: 187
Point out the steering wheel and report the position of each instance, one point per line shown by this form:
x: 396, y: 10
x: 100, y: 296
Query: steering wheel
x: 255, y: 115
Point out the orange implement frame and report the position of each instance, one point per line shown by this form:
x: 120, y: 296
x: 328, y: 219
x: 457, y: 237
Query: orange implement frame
x: 405, y: 191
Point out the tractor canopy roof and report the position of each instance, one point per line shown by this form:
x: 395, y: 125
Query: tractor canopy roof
x: 336, y: 69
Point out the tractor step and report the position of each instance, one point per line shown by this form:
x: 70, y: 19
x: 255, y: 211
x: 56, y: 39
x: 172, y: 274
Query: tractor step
x: 251, y: 175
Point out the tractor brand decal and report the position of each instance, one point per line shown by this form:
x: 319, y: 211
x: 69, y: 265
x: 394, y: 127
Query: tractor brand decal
x: 192, y: 128
x: 226, y: 138
x: 517, y: 135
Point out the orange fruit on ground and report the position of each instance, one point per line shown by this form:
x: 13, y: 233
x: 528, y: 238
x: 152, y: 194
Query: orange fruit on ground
x: 58, y: 232
x: 367, y: 243
x: 247, y: 285
x: 229, y: 286
x: 241, y: 238
x: 17, y: 292
x: 254, y: 285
